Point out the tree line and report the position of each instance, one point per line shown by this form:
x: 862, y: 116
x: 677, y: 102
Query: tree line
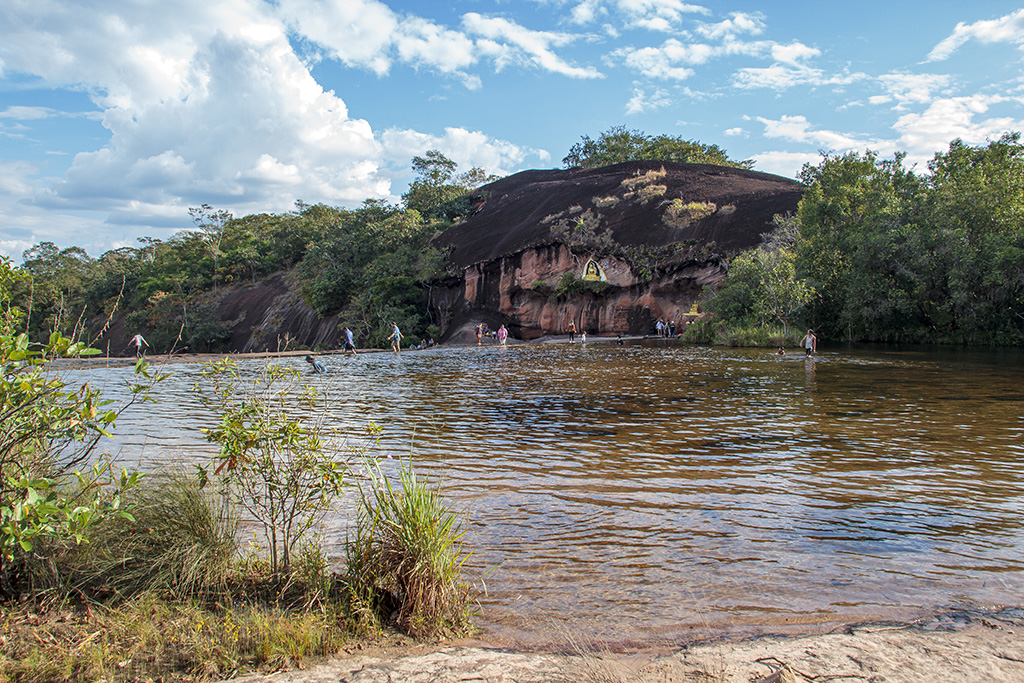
x: 881, y: 252
x: 877, y: 251
x: 366, y: 264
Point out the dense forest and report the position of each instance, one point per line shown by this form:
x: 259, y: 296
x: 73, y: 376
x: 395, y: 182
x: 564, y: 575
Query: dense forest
x: 876, y: 252
x: 880, y: 252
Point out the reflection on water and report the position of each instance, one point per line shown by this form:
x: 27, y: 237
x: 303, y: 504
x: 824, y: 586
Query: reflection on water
x: 637, y: 492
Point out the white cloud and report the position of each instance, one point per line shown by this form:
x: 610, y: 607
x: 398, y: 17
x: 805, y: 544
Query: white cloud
x: 587, y: 11
x: 1005, y: 29
x: 356, y: 32
x: 799, y: 129
x: 923, y: 134
x: 907, y: 89
x: 784, y: 163
x: 467, y: 148
x: 793, y: 53
x: 641, y: 102
x: 655, y: 15
x: 513, y: 42
x: 738, y: 23
x: 19, y: 113
x: 733, y: 132
x: 209, y: 103
x: 667, y: 62
x: 784, y: 76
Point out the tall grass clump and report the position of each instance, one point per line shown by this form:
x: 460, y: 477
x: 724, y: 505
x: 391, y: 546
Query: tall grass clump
x: 406, y: 559
x: 181, y: 543
x: 712, y: 330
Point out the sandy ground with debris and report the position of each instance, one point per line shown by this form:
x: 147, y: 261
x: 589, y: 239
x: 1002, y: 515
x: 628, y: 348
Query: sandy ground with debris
x: 946, y: 649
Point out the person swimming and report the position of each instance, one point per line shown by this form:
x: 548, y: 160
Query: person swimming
x: 316, y: 365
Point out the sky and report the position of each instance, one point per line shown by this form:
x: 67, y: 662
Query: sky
x: 116, y: 116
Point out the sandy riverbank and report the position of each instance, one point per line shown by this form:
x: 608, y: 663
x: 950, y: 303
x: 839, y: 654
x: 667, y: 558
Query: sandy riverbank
x: 945, y: 649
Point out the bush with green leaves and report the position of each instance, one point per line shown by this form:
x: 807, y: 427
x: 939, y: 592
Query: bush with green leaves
x: 278, y: 458
x: 54, y: 485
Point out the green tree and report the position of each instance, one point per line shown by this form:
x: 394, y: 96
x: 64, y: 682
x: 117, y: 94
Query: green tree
x: 53, y: 295
x: 438, y: 192
x: 213, y: 224
x: 619, y: 144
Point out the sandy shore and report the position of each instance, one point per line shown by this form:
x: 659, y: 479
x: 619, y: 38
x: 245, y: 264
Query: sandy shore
x: 946, y: 649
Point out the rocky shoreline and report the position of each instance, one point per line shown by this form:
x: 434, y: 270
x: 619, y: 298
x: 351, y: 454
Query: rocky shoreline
x: 967, y: 648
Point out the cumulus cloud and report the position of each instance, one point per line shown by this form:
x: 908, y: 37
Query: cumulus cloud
x: 737, y: 24
x: 209, y: 103
x: 968, y: 118
x: 1005, y: 29
x: 465, y: 147
x: 642, y: 102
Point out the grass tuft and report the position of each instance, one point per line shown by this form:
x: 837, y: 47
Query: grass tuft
x: 406, y: 559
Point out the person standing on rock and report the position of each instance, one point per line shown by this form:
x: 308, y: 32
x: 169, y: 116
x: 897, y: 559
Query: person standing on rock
x: 350, y: 344
x: 479, y: 334
x: 571, y: 330
x: 502, y: 335
x: 395, y: 338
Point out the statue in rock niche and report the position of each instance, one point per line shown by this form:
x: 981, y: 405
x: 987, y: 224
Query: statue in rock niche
x: 593, y: 272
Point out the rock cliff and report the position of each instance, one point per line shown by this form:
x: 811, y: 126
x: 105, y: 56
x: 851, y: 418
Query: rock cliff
x: 611, y: 249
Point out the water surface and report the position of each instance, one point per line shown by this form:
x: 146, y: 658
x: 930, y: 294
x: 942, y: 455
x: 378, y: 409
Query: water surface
x: 647, y: 492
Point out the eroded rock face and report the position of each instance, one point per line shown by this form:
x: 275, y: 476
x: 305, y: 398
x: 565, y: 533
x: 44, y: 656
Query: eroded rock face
x: 612, y: 249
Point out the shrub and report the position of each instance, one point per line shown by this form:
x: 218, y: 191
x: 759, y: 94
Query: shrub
x: 407, y: 558
x: 277, y: 457
x: 679, y: 214
x: 53, y: 487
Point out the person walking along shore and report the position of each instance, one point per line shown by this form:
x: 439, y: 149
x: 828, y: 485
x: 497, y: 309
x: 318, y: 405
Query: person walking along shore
x: 395, y: 338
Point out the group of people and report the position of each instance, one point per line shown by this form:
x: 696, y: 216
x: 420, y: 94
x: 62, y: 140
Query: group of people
x: 665, y: 329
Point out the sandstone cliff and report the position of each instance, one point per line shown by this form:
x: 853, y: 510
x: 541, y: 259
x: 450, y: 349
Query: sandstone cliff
x: 611, y: 249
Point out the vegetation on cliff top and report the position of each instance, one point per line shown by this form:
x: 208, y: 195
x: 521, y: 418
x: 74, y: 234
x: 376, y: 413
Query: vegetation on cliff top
x: 875, y: 252
x: 619, y: 144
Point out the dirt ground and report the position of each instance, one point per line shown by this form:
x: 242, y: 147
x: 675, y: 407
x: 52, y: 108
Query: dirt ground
x: 946, y: 649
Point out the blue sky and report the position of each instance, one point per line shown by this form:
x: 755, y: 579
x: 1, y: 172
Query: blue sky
x: 116, y: 116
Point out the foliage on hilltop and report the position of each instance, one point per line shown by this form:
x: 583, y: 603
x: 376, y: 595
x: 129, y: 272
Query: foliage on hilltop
x: 619, y: 144
x: 884, y: 253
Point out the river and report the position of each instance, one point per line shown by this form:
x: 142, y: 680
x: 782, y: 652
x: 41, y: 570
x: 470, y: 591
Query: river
x: 656, y: 492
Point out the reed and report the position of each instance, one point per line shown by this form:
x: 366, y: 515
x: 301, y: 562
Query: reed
x: 181, y: 543
x: 406, y: 558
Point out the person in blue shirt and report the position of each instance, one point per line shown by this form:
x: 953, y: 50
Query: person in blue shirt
x: 350, y: 344
x: 395, y: 338
x: 316, y: 365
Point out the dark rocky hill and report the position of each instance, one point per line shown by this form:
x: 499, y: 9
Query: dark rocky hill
x: 652, y: 235
x: 631, y: 200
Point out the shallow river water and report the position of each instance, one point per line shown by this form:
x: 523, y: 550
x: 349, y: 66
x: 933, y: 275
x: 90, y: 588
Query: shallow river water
x: 651, y: 492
